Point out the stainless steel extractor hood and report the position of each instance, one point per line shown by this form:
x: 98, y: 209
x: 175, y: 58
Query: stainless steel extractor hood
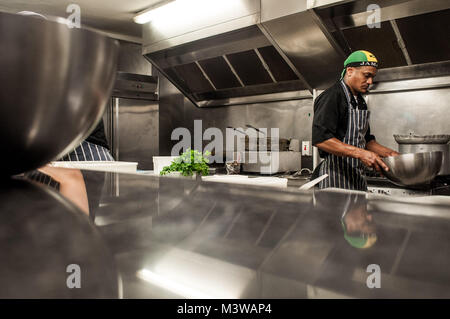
x: 412, y: 40
x: 272, y: 50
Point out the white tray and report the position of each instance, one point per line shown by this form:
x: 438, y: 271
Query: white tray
x: 102, y: 166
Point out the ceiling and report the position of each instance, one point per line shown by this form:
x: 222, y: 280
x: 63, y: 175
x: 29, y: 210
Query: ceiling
x: 247, y: 53
x: 112, y: 16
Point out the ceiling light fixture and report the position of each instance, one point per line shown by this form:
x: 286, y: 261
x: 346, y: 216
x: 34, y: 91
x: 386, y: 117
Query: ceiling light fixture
x: 152, y: 12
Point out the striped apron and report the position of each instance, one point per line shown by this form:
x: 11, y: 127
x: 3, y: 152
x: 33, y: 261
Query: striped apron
x: 346, y: 172
x: 88, y: 152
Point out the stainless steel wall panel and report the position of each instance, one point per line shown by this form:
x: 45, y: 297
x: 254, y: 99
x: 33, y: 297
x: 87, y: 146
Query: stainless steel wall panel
x: 422, y: 112
x: 131, y: 59
x: 292, y: 118
x: 171, y: 112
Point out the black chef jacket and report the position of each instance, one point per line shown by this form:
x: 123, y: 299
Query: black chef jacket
x: 331, y: 115
x: 98, y: 136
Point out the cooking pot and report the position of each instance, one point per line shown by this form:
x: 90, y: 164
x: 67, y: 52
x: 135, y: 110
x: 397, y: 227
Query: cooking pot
x: 426, y: 143
x: 422, y: 139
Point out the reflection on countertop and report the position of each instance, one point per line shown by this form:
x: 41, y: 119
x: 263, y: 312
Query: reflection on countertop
x: 48, y: 244
x: 184, y: 238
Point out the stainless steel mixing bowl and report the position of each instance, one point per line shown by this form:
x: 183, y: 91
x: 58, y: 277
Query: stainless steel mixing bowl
x: 55, y: 82
x: 414, y: 168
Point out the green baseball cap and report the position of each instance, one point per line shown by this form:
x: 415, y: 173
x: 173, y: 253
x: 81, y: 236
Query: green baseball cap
x: 360, y: 58
x: 362, y: 241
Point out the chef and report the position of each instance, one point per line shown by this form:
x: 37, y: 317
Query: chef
x: 341, y: 128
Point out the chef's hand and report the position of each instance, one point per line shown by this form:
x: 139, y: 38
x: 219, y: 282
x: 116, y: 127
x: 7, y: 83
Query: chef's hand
x: 370, y: 159
x: 393, y: 153
x: 387, y: 152
x: 380, y: 150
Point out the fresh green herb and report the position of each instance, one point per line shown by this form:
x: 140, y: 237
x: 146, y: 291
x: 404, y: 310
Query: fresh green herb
x: 188, y: 163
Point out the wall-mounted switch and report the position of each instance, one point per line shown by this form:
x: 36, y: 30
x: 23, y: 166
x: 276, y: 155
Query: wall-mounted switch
x: 306, y: 148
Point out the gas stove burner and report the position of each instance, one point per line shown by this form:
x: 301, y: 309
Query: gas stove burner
x: 379, y: 184
x: 441, y: 185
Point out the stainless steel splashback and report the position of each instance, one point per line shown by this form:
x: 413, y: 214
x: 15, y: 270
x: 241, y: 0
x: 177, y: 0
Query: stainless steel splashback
x: 270, y: 50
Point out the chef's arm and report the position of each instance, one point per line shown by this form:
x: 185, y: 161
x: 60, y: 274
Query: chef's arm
x: 72, y: 185
x: 381, y: 150
x: 336, y: 147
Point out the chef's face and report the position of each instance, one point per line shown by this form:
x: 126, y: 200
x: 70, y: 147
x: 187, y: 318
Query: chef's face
x: 359, y: 220
x: 359, y: 78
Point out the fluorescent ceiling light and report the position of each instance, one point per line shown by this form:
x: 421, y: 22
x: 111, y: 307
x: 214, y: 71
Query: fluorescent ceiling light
x: 180, y: 14
x: 149, y: 14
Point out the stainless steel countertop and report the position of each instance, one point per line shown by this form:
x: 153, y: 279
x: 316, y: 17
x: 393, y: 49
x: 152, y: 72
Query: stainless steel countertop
x: 181, y: 238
